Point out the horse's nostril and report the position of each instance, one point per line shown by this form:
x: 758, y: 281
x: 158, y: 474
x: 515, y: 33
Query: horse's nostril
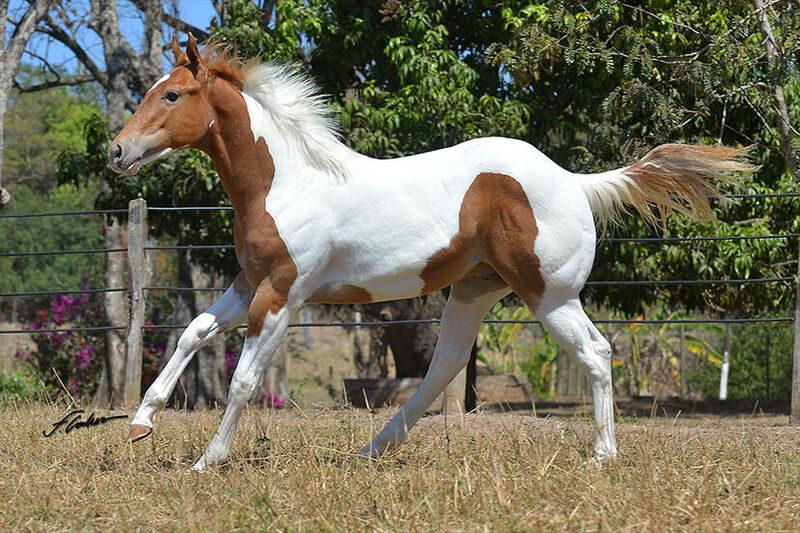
x: 118, y: 152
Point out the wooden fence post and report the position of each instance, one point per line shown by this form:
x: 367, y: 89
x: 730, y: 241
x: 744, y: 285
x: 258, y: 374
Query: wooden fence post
x: 137, y: 236
x: 794, y: 417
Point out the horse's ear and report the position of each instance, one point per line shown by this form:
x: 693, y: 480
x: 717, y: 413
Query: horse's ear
x: 196, y: 61
x: 180, y: 56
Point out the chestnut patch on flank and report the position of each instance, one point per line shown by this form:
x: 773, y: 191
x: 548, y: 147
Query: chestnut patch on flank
x: 496, y: 226
x: 341, y: 294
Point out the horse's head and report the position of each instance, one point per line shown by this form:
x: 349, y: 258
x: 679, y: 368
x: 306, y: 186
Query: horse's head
x: 175, y: 113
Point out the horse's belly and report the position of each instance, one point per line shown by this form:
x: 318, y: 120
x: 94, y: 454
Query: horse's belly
x: 356, y: 289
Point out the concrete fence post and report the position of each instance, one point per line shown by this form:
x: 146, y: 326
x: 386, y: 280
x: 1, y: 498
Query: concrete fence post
x: 137, y: 237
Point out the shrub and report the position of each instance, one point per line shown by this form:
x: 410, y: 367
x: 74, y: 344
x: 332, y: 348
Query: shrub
x: 747, y: 377
x: 67, y: 358
x: 20, y: 385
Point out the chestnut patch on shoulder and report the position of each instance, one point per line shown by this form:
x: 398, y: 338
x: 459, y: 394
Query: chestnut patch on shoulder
x: 341, y: 294
x: 496, y: 225
x: 247, y: 170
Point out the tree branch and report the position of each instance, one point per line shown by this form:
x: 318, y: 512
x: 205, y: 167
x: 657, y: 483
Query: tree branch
x: 70, y: 81
x: 54, y: 30
x: 175, y: 22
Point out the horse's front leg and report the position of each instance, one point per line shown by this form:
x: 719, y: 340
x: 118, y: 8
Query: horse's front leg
x: 268, y: 319
x: 227, y: 312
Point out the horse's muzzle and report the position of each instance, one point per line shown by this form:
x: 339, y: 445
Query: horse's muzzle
x: 122, y: 159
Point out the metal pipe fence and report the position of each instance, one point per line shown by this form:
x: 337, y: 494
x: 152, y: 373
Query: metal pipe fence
x: 136, y: 247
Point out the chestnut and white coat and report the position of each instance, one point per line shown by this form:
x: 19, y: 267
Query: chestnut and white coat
x: 318, y: 222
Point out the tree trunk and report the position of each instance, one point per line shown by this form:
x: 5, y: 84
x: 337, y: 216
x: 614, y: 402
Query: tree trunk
x: 208, y: 371
x: 10, y: 57
x: 369, y: 352
x: 784, y: 126
x: 185, y: 395
x: 124, y: 68
x: 412, y: 344
x: 116, y: 308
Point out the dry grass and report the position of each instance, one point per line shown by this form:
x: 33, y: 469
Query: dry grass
x: 291, y: 470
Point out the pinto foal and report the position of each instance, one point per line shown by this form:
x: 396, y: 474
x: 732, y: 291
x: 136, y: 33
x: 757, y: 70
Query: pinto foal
x: 317, y: 222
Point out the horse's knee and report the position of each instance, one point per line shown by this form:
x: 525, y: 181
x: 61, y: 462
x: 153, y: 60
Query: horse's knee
x: 596, y: 359
x: 155, y: 398
x: 242, y: 388
x: 197, y: 333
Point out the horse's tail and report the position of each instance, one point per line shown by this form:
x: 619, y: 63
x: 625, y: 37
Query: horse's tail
x: 670, y: 177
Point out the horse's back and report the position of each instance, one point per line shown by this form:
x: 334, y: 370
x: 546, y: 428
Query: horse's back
x: 407, y: 226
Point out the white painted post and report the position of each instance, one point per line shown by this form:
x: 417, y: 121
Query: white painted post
x: 305, y: 317
x: 684, y: 387
x: 726, y: 362
x: 137, y: 237
x: 794, y: 416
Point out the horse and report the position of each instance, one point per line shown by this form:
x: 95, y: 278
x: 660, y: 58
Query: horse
x: 315, y: 221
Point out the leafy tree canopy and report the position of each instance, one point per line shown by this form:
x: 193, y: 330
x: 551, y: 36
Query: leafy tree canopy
x: 39, y: 125
x: 593, y: 84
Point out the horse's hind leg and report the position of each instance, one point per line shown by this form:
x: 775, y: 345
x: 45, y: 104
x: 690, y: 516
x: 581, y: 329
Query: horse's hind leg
x: 461, y: 320
x: 227, y: 312
x: 569, y: 326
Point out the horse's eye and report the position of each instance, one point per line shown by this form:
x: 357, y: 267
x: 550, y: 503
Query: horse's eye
x: 171, y: 96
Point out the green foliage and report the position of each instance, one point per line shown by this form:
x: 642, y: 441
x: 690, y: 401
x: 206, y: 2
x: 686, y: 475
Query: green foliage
x: 405, y: 78
x: 500, y: 349
x: 655, y: 350
x: 184, y: 179
x: 747, y: 376
x: 609, y: 80
x: 44, y: 273
x: 20, y: 385
x: 38, y: 125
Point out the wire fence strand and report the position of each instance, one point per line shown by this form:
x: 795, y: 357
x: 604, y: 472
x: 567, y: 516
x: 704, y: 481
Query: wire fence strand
x: 66, y: 213
x: 398, y: 322
x: 383, y: 323
x: 57, y: 293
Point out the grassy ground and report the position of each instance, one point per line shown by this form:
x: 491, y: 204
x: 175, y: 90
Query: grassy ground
x: 291, y: 470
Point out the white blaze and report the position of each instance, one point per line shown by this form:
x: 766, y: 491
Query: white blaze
x: 164, y: 78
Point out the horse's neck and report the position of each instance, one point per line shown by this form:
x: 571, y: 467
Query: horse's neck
x: 244, y: 164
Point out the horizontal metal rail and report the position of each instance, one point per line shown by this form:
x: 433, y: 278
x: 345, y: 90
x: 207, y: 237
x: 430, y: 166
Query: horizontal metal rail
x: 56, y: 293
x: 187, y: 289
x: 230, y: 208
x: 66, y: 213
x: 63, y: 252
x: 698, y: 239
x: 383, y: 323
x: 588, y: 283
x: 692, y: 281
x: 765, y: 195
x: 60, y: 330
x: 230, y: 246
x: 191, y: 247
x: 195, y: 208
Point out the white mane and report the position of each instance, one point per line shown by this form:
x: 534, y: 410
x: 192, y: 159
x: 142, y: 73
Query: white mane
x: 300, y: 115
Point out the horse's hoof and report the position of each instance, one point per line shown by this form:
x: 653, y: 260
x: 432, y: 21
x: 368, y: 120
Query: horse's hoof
x: 139, y: 432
